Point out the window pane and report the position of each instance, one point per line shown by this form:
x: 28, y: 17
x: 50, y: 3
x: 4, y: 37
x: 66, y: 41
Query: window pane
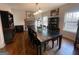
x: 45, y: 20
x: 70, y: 21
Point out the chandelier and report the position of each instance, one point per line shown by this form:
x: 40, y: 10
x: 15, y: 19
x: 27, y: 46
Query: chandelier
x: 38, y: 11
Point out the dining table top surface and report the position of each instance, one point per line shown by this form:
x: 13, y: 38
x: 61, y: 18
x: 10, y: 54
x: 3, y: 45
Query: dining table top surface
x: 44, y: 34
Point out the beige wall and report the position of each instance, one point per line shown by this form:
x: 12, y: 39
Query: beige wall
x: 5, y: 8
x: 19, y: 16
x: 47, y: 13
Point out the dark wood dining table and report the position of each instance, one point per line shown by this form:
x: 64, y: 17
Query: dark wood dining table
x: 45, y: 35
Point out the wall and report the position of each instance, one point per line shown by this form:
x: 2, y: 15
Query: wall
x: 19, y: 16
x: 5, y: 8
x: 63, y: 9
x: 46, y: 13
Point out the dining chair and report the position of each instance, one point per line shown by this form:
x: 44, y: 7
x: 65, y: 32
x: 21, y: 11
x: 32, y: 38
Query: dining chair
x: 34, y: 40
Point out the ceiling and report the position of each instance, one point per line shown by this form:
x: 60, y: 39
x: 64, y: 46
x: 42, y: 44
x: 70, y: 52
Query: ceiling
x: 33, y: 7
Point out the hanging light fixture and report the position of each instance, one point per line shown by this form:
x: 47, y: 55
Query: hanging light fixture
x: 38, y: 11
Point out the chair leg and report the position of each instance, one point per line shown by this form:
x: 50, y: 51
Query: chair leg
x: 39, y: 50
x: 32, y: 44
x: 44, y: 46
x: 52, y: 43
x: 57, y: 41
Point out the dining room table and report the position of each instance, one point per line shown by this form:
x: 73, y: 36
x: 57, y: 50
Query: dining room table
x: 45, y: 35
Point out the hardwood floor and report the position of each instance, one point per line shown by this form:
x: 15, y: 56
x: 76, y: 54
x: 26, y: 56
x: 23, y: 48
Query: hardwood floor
x: 22, y: 46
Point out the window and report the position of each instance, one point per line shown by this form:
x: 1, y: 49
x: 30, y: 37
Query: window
x: 42, y: 21
x: 38, y: 22
x: 45, y: 21
x: 70, y: 21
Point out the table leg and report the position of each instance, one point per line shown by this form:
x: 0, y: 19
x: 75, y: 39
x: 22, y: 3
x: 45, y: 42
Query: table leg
x: 75, y: 44
x: 60, y: 41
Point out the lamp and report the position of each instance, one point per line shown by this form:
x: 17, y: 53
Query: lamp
x: 38, y: 11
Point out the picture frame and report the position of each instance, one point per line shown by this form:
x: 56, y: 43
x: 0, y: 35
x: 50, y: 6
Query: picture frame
x: 54, y: 12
